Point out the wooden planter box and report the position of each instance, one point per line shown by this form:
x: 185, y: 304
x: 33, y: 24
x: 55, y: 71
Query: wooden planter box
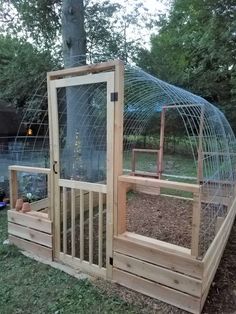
x: 31, y: 232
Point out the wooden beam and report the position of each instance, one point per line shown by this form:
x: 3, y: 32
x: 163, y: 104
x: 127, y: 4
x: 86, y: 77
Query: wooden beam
x: 158, y: 274
x: 86, y: 79
x: 92, y: 68
x: 161, y: 150
x: 34, y: 222
x: 81, y: 208
x: 162, y: 245
x: 121, y: 219
x: 100, y: 230
x: 152, y: 289
x: 148, y: 151
x: 13, y: 187
x: 31, y: 247
x: 94, y: 187
x: 194, y: 188
x: 83, y: 266
x: 30, y: 169
x: 41, y: 204
x: 200, y: 146
x: 30, y: 234
x: 118, y: 137
x: 90, y: 227
x: 159, y: 255
x: 196, y: 221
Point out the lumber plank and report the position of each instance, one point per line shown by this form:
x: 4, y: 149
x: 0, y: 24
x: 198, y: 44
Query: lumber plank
x: 41, y: 204
x: 13, y: 187
x: 75, y: 263
x: 94, y: 187
x: 30, y: 169
x: 72, y: 222
x: 90, y: 227
x: 196, y: 221
x: 155, y: 290
x: 34, y: 222
x: 31, y: 247
x: 194, y: 188
x: 81, y: 209
x: 213, y: 256
x: 64, y: 218
x: 158, y: 274
x: 90, y: 68
x: 162, y: 130
x: 38, y: 214
x: 160, y: 257
x: 147, y: 189
x: 30, y: 234
x: 86, y: 79
x: 118, y: 136
x: 100, y: 230
x: 110, y: 171
x: 173, y: 248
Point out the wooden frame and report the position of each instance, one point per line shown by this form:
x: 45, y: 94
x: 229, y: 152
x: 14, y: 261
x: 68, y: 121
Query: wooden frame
x: 38, y: 205
x: 156, y: 268
x: 145, y: 173
x: 112, y: 73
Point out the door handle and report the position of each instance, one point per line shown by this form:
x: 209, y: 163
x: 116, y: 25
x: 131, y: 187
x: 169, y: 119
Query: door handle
x: 54, y: 167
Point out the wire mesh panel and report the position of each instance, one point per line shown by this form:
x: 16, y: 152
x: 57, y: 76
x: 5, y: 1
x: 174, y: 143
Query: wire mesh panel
x: 82, y: 118
x: 206, y: 144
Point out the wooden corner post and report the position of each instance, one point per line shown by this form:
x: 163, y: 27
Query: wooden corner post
x: 118, y: 136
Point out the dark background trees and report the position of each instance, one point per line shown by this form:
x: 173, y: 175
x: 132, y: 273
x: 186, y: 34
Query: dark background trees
x: 196, y: 49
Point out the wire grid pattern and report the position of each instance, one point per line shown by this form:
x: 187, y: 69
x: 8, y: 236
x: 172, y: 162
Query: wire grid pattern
x: 82, y: 132
x: 145, y: 96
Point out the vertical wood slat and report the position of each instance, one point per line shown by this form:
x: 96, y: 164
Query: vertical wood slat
x: 100, y: 229
x: 200, y: 148
x: 133, y: 161
x: 196, y: 220
x: 121, y: 226
x: 81, y: 225
x: 162, y: 131
x: 64, y: 208
x: 73, y: 222
x: 90, y: 227
x: 50, y: 214
x: 13, y: 187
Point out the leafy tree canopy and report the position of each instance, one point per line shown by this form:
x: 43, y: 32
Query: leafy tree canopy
x: 196, y: 49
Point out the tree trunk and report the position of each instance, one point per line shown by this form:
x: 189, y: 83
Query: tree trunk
x: 73, y: 33
x: 74, y: 54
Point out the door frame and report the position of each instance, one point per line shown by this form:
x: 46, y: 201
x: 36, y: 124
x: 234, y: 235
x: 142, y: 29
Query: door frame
x: 90, y: 74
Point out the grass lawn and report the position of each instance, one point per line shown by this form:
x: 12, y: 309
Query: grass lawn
x: 27, y: 286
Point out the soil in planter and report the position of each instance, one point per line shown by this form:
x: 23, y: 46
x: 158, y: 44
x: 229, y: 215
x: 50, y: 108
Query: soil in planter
x: 160, y: 217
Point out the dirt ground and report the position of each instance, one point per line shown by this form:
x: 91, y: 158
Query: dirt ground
x: 163, y: 218
x: 221, y: 298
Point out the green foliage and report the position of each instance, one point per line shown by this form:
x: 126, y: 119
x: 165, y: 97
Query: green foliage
x: 22, y: 69
x: 27, y: 286
x: 195, y: 48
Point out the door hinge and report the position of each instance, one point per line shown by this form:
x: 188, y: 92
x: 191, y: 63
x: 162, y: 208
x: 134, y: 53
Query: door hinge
x: 111, y: 261
x: 114, y: 96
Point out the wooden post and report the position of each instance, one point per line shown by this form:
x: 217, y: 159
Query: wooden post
x: 200, y: 150
x: 162, y: 131
x: 118, y: 136
x: 196, y: 221
x: 122, y: 187
x: 13, y: 188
